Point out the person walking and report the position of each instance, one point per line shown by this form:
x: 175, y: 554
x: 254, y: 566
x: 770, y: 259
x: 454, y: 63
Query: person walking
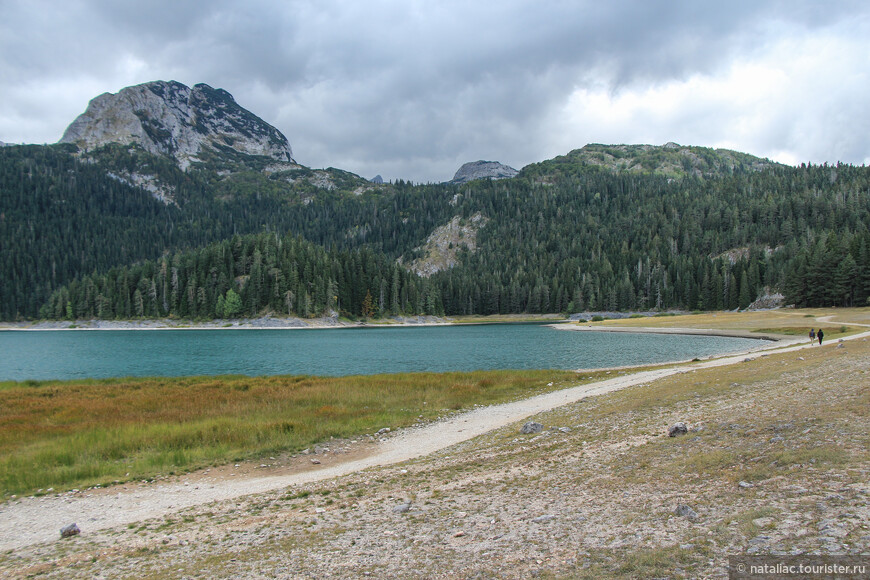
x: 812, y: 335
x: 821, y: 335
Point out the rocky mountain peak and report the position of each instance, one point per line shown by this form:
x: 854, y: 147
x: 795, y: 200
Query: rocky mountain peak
x: 483, y: 170
x: 169, y: 118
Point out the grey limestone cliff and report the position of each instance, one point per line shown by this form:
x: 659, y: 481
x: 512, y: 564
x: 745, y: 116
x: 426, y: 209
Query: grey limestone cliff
x: 169, y: 118
x: 483, y: 170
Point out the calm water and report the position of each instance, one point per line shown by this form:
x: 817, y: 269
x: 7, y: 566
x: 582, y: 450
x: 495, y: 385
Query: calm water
x: 118, y: 353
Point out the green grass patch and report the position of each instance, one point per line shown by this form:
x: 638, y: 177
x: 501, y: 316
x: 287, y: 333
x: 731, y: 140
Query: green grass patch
x: 641, y: 563
x: 80, y: 433
x: 824, y: 455
x: 786, y: 330
x: 708, y: 462
x: 830, y: 331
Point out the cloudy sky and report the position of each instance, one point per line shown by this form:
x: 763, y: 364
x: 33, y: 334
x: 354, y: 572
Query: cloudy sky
x: 411, y: 89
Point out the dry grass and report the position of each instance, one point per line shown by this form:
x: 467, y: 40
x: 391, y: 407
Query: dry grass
x: 71, y: 434
x: 784, y: 321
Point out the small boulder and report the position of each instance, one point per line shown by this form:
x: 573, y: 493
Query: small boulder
x: 678, y: 428
x: 531, y: 427
x: 69, y: 531
x: 402, y: 508
x: 383, y: 431
x: 687, y: 512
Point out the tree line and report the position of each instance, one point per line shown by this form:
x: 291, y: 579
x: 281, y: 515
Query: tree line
x: 249, y: 276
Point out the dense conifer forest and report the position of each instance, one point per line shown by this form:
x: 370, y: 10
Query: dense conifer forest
x: 246, y: 276
x: 563, y: 236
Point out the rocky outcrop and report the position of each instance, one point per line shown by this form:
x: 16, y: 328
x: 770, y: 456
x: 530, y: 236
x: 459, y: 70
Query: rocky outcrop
x: 169, y: 118
x: 767, y: 300
x: 483, y: 170
x: 441, y: 251
x: 377, y: 179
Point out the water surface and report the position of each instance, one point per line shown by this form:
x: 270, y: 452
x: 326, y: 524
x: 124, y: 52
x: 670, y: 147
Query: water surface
x: 75, y: 354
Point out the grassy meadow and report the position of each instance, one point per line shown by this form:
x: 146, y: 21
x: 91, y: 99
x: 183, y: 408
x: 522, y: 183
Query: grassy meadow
x: 56, y: 434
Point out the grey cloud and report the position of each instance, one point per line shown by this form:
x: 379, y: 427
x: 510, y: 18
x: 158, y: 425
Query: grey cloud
x: 408, y: 87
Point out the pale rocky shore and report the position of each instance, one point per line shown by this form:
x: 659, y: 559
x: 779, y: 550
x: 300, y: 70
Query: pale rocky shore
x: 236, y: 323
x: 775, y: 461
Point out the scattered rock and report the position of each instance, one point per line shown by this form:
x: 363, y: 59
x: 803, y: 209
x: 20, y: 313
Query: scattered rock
x: 544, y: 519
x: 678, y: 428
x: 315, y: 461
x: 745, y: 485
x: 383, y: 431
x: 459, y: 534
x: 565, y: 429
x: 531, y: 427
x: 685, y: 511
x: 69, y: 531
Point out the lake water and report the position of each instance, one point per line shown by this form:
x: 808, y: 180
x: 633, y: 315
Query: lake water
x: 347, y: 351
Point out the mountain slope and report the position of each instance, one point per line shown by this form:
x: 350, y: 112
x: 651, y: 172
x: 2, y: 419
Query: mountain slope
x: 609, y: 227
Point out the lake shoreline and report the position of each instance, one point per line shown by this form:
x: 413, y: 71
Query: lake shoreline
x: 294, y: 323
x: 685, y: 331
x: 264, y: 323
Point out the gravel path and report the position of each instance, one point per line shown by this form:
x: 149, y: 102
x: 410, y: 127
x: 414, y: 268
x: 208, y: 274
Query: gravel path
x: 32, y: 520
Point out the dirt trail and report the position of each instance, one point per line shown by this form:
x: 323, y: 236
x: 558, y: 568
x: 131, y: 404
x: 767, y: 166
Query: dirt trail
x: 33, y: 520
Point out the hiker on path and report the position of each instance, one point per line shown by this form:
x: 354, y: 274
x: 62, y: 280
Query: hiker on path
x: 812, y: 335
x: 821, y: 335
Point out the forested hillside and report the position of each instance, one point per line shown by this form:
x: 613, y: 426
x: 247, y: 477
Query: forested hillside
x: 246, y: 276
x: 64, y: 216
x: 618, y: 241
x: 622, y: 227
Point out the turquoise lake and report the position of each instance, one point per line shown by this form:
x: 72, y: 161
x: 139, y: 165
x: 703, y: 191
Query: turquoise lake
x: 79, y: 354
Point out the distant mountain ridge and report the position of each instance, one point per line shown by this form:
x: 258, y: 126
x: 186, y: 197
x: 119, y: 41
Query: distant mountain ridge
x: 482, y: 170
x: 169, y: 118
x: 669, y: 160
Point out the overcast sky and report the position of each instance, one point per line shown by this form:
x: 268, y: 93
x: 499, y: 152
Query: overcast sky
x: 411, y: 89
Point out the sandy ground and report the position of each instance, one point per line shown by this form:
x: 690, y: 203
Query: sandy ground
x: 33, y: 520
